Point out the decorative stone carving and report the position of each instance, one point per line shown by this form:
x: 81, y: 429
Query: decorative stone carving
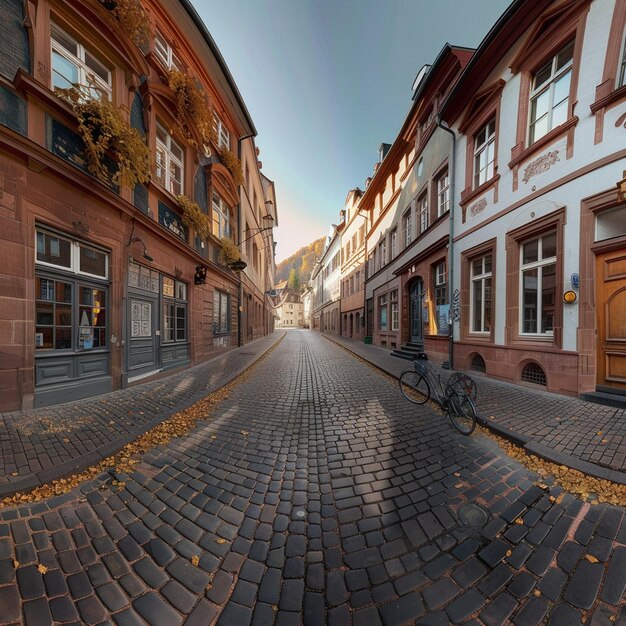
x: 621, y: 120
x: 478, y: 207
x: 541, y: 165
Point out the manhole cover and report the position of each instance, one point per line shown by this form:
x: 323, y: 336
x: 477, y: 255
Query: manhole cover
x: 472, y: 515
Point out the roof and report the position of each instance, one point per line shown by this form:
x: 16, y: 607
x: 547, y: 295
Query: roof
x: 244, y: 114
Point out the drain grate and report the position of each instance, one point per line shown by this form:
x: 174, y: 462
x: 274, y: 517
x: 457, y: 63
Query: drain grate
x: 472, y: 515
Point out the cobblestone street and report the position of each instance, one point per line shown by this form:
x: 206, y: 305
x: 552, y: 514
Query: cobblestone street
x: 316, y: 495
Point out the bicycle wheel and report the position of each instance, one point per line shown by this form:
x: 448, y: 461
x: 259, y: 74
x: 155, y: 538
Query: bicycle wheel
x: 462, y: 412
x: 414, y: 387
x: 463, y: 384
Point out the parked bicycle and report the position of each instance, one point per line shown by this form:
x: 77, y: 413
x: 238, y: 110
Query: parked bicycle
x: 455, y: 396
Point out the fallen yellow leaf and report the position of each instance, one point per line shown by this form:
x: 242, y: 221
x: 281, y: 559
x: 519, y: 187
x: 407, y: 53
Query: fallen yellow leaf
x: 42, y: 569
x: 591, y: 558
x: 220, y: 541
x: 458, y: 485
x: 536, y: 592
x: 195, y: 559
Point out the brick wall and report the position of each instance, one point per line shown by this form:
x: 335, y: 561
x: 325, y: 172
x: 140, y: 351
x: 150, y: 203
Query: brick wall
x: 15, y: 52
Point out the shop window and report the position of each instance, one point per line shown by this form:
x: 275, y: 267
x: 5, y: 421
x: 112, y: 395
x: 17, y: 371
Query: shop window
x: 223, y: 136
x: 70, y: 311
x: 169, y: 162
x: 382, y: 312
x: 73, y: 64
x: 174, y: 310
x: 538, y: 285
x: 443, y: 193
x: 478, y: 364
x: 484, y: 153
x: 395, y: 310
x: 442, y: 307
x: 221, y: 312
x: 480, y: 298
x: 550, y: 93
x: 533, y: 373
x: 221, y: 217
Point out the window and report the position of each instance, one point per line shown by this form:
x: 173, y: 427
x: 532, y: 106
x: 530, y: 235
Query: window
x: 169, y: 162
x: 223, y: 137
x: 174, y: 310
x: 443, y: 194
x: 370, y: 264
x: 221, y: 219
x: 395, y: 310
x: 484, y: 153
x: 480, y: 296
x: 538, y: 285
x: 423, y: 209
x: 622, y: 68
x: 73, y: 64
x: 382, y: 312
x: 407, y: 227
x: 70, y: 312
x: 550, y: 93
x: 393, y: 238
x: 441, y: 298
x: 382, y: 253
x: 221, y: 312
x: 165, y: 53
x: 351, y: 283
x: 357, y: 281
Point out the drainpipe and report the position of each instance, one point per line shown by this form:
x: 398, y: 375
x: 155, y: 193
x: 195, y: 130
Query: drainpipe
x: 240, y: 286
x: 450, y: 244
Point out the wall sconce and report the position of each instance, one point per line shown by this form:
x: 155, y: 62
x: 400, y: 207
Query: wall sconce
x: 199, y: 278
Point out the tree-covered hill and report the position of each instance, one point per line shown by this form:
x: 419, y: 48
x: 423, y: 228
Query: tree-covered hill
x: 302, y: 261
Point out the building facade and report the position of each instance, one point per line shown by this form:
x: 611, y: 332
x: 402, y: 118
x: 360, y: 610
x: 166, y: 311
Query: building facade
x: 540, y: 226
x: 112, y: 279
x: 353, y: 268
x: 289, y: 310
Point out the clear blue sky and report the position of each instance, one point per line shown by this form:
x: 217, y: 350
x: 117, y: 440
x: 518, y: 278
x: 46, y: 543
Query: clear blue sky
x: 326, y: 82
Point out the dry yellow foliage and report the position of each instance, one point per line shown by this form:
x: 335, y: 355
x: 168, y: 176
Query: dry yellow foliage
x: 591, y: 558
x: 177, y: 425
x: 195, y: 559
x: 220, y: 541
x: 42, y: 569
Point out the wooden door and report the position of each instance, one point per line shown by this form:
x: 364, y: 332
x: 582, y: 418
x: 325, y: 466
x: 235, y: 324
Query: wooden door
x: 611, y: 307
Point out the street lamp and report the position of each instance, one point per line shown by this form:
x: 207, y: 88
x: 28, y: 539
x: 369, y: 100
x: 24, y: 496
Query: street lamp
x: 267, y: 219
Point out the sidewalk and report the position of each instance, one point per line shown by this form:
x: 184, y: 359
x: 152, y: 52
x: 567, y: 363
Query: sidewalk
x: 44, y: 444
x: 581, y: 435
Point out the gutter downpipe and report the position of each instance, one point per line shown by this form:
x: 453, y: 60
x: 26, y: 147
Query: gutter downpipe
x: 240, y: 286
x: 450, y: 243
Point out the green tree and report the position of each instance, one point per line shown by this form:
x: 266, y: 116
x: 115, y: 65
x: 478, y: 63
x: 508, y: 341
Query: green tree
x: 294, y: 279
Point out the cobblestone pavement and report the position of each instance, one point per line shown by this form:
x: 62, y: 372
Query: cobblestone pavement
x: 316, y: 495
x: 566, y: 430
x: 41, y: 445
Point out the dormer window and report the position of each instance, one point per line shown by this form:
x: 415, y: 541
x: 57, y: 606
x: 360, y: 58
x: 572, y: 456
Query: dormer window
x: 550, y: 93
x: 165, y: 53
x: 73, y: 64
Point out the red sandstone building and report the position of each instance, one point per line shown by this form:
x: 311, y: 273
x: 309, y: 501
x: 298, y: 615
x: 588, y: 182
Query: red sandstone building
x: 103, y: 285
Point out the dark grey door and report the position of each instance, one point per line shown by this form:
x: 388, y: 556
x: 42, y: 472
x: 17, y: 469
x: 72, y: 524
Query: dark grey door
x: 143, y: 341
x: 416, y: 308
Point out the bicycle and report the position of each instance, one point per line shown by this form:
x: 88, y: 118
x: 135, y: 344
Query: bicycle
x: 455, y: 396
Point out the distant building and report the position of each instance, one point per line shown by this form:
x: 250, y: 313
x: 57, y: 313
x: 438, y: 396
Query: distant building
x: 289, y: 309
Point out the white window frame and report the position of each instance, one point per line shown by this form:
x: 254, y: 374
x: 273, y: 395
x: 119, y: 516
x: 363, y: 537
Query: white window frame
x: 395, y: 310
x: 382, y: 256
x: 86, y: 75
x: 394, y: 243
x: 165, y: 159
x: 484, y: 148
x: 481, y: 280
x: 621, y: 70
x: 75, y: 248
x: 423, y: 209
x: 222, y: 133
x: 220, y: 207
x: 443, y: 193
x: 548, y: 87
x: 539, y: 265
x: 407, y: 226
x: 165, y: 52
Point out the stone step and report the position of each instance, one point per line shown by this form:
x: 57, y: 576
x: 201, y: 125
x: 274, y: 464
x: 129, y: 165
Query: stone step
x: 617, y: 400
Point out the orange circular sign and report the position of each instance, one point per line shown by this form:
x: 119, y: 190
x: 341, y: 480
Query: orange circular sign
x: 569, y: 297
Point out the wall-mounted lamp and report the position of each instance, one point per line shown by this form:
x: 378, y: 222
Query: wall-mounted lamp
x: 145, y: 250
x: 267, y: 219
x: 199, y: 278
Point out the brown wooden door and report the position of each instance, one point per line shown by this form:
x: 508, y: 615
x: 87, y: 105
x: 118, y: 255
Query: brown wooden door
x: 611, y: 307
